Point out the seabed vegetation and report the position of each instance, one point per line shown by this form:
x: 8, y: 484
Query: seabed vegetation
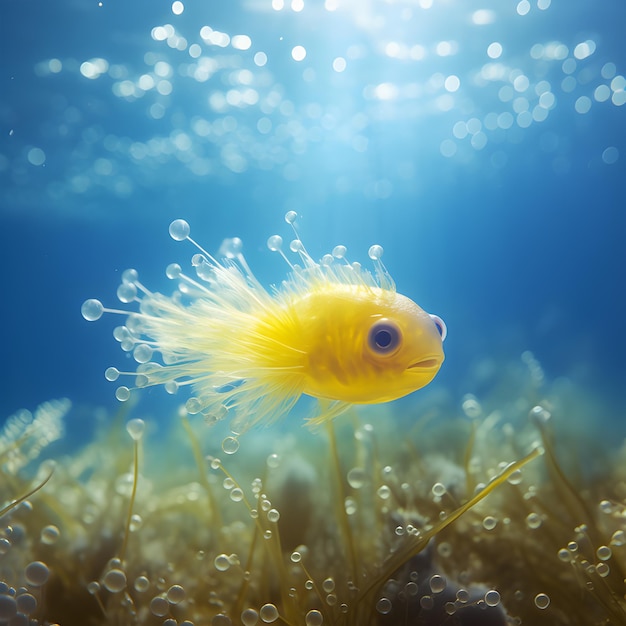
x: 498, y: 512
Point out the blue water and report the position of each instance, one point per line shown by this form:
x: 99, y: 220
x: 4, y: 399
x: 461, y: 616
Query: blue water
x: 496, y: 190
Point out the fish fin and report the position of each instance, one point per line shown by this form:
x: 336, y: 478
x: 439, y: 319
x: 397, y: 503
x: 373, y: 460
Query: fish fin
x: 328, y: 410
x: 253, y: 402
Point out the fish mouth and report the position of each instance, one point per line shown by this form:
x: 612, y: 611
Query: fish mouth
x: 428, y: 363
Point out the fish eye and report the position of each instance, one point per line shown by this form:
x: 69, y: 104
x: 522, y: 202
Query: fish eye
x: 384, y: 337
x: 441, y: 326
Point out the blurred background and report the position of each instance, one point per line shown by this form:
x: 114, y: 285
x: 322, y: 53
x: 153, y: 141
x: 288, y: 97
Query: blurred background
x: 482, y: 143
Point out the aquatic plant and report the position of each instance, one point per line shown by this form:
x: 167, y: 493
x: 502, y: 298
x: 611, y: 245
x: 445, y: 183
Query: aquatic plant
x: 158, y: 524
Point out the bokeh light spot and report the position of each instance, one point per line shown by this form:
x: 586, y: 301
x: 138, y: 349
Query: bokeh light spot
x: 483, y: 17
x: 298, y: 53
x: 582, y: 105
x: 177, y: 7
x: 36, y: 156
x: 55, y: 66
x: 94, y: 68
x: 494, y: 50
x: 446, y: 48
x: 602, y: 93
x: 448, y: 148
x: 608, y: 70
x: 241, y: 42
x: 585, y: 49
x: 452, y: 83
x: 339, y: 64
x: 610, y: 155
x: 568, y: 84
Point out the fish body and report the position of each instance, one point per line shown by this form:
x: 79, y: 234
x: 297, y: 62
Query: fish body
x: 332, y: 330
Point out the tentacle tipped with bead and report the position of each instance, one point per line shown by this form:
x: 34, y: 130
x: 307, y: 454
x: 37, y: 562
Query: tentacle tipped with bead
x: 244, y: 350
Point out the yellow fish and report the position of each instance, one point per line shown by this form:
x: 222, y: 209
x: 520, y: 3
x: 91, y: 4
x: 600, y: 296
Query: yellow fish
x: 333, y: 330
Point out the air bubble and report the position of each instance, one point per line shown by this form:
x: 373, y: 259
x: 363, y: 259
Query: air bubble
x: 437, y: 583
x: 542, y: 601
x: 604, y: 553
x: 618, y: 538
x: 515, y: 478
x: 291, y: 217
x: 268, y: 612
x: 193, y: 406
x: 438, y: 490
x: 93, y: 587
x: 171, y: 387
x: 463, y: 596
x: 313, y: 618
x: 603, y: 570
x: 26, y: 603
x: 375, y: 252
x: 328, y: 585
x: 221, y: 562
x: 383, y: 606
x: 173, y: 271
x: 230, y: 445
x: 356, y: 477
x: 92, y: 310
x: 8, y: 607
x: 296, y: 246
x: 275, y: 243
x: 130, y: 276
x: 273, y: 461
x: 114, y: 580
x: 122, y: 393
x: 179, y: 230
x: 492, y: 598
x: 175, y: 594
x: 564, y: 555
x: 111, y: 374
x: 533, y: 521
x: 383, y: 492
x: 339, y: 252
x: 236, y: 494
x: 126, y: 292
x: 36, y: 573
x: 296, y: 557
x: 135, y: 428
x: 49, y: 535
x: 427, y: 602
x: 489, y: 522
x: 471, y: 406
x: 273, y: 515
x: 141, y: 584
x: 159, y: 606
x: 249, y: 617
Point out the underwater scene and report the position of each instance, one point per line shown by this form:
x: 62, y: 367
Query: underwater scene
x: 313, y: 313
